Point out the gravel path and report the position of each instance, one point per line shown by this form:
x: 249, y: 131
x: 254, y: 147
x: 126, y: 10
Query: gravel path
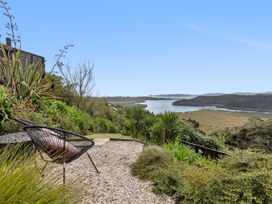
x: 114, y: 184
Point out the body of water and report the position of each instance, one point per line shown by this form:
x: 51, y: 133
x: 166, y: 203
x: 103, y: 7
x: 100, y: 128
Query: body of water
x: 160, y: 106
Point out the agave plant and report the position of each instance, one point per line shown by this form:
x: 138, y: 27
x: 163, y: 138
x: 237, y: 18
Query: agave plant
x: 24, y: 80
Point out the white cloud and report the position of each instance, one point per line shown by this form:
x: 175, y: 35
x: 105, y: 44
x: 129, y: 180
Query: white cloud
x: 243, y: 41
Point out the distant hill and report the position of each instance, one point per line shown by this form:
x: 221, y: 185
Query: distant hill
x: 257, y: 102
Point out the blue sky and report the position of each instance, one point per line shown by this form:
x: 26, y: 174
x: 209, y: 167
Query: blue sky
x: 142, y: 47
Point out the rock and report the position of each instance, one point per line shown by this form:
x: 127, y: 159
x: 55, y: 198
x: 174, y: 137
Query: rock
x: 13, y: 138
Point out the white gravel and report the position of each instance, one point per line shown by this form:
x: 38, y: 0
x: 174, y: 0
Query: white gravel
x: 114, y: 184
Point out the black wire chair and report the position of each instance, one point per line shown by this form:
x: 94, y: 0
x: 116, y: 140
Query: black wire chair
x: 60, y: 145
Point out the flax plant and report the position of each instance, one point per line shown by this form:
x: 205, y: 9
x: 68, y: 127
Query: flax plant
x: 24, y: 80
x: 22, y: 182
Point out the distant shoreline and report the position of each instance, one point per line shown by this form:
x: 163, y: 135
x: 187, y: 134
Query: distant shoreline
x: 233, y: 109
x: 131, y: 101
x: 258, y: 103
x: 252, y: 103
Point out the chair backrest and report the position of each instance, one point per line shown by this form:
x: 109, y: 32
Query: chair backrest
x: 60, y: 145
x: 52, y: 144
x: 23, y: 123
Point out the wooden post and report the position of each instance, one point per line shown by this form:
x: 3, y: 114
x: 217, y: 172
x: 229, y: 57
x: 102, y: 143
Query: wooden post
x: 64, y: 144
x: 63, y: 169
x: 163, y: 135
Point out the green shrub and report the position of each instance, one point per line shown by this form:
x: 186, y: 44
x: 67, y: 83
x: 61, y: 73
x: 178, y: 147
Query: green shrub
x: 66, y: 116
x: 135, y: 120
x: 151, y: 158
x: 103, y: 125
x: 197, y: 186
x: 21, y: 181
x: 167, y: 179
x: 167, y: 127
x: 96, y: 107
x: 189, y: 134
x: 57, y: 114
x: 256, y: 134
x: 243, y: 177
x: 247, y: 161
x: 6, y: 108
x: 183, y: 153
x: 65, y: 92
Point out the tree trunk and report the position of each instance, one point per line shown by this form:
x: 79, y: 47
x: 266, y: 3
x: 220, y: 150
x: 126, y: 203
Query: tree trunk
x: 163, y: 134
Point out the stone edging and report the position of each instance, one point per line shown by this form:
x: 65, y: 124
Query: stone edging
x: 13, y: 138
x: 125, y: 139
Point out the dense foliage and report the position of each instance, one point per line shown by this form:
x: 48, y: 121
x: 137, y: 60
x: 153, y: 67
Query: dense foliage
x: 58, y: 114
x: 244, y: 177
x: 5, y: 104
x: 183, y: 153
x: 168, y: 127
x: 256, y: 134
x: 190, y: 134
x: 6, y: 110
x: 25, y: 81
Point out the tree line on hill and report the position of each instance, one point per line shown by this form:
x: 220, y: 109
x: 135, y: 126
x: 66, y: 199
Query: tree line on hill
x: 257, y: 102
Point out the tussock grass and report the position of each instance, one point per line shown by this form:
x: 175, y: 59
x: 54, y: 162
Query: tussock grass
x: 21, y: 180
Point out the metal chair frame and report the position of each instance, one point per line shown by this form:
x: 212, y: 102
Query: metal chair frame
x: 43, y: 137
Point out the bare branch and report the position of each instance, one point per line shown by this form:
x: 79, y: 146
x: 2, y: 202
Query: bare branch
x: 85, y: 79
x: 10, y: 25
x: 59, y: 57
x: 81, y: 78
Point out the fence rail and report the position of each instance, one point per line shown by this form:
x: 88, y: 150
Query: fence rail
x: 206, y: 151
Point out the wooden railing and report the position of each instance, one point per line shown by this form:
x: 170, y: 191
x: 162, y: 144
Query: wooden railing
x: 206, y: 151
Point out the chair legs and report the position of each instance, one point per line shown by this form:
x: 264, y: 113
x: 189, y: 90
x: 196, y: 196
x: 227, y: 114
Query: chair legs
x: 44, y: 166
x: 92, y: 162
x: 63, y: 169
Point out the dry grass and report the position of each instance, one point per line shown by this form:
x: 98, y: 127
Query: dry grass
x: 211, y: 121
